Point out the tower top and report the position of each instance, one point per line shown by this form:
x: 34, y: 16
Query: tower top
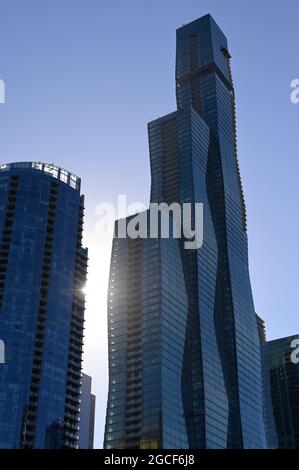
x: 201, y: 44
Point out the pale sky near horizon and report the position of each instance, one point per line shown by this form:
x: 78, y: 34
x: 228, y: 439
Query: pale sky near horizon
x: 83, y: 78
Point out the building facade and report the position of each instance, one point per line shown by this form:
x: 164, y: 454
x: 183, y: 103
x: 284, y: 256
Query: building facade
x: 271, y: 433
x: 87, y: 414
x: 148, y: 309
x: 184, y: 352
x: 42, y: 272
x: 284, y: 373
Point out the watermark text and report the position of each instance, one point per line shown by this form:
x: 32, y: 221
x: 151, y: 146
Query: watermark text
x: 295, y: 92
x: 295, y: 353
x: 176, y: 220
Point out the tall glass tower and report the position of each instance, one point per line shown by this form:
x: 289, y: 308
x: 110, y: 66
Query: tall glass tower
x: 42, y: 272
x: 184, y: 352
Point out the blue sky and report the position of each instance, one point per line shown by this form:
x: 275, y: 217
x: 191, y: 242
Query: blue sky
x: 83, y: 78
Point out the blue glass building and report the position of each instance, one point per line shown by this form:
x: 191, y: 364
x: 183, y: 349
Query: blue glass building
x: 184, y: 351
x: 42, y: 273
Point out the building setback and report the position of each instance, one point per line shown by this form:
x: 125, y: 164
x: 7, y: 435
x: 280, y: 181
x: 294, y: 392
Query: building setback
x: 184, y: 352
x: 42, y: 272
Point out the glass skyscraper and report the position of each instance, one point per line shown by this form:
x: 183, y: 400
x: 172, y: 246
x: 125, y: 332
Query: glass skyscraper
x: 42, y: 272
x: 184, y: 351
x: 284, y: 373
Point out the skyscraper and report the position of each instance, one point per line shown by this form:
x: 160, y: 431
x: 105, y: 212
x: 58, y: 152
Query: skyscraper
x: 87, y: 414
x: 184, y: 352
x: 284, y: 372
x: 42, y: 272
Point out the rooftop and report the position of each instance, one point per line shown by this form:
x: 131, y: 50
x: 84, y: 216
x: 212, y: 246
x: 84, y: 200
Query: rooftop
x: 49, y: 168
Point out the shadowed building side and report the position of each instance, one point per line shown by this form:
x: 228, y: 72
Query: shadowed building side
x: 271, y: 434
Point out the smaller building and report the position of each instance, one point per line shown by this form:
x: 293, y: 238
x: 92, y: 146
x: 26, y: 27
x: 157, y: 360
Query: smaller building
x: 284, y: 372
x: 87, y: 414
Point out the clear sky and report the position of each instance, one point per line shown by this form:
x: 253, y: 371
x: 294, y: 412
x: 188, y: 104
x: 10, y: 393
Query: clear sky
x: 83, y: 78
